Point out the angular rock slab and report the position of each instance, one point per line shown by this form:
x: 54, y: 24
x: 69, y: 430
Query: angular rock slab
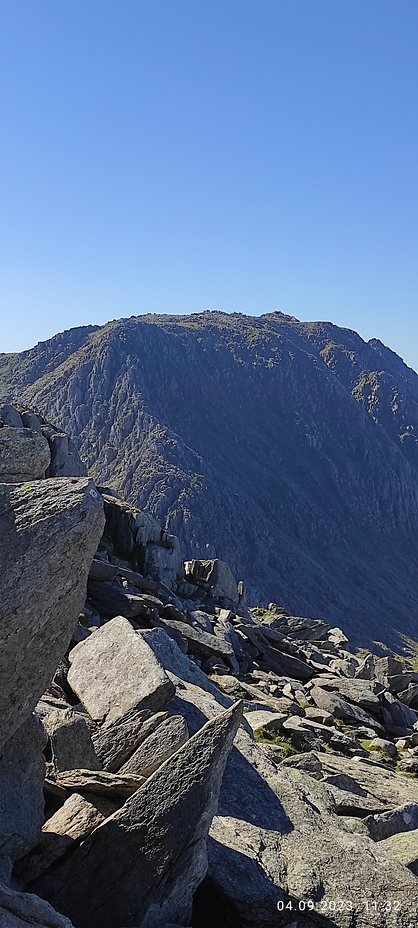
x: 158, y: 747
x: 49, y: 530
x: 403, y: 847
x: 115, y: 670
x: 142, y: 865
x: 23, y: 910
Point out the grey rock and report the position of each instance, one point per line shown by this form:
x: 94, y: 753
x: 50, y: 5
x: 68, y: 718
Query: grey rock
x: 49, y: 532
x: 24, y: 455
x: 404, y: 848
x: 358, y: 784
x: 365, y: 671
x: 200, y: 642
x: 24, y: 910
x: 31, y: 421
x: 112, y: 600
x: 100, y: 782
x: 398, y: 718
x: 200, y: 619
x: 162, y: 830
x: 216, y: 574
x: 10, y: 416
x: 275, y: 833
x: 386, y: 824
x: 341, y: 709
x: 22, y: 771
x: 116, y: 742
x: 360, y: 692
x: 270, y: 721
x: 71, y: 742
x: 167, y: 738
x: 115, y: 671
x: 387, y: 747
x: 76, y: 819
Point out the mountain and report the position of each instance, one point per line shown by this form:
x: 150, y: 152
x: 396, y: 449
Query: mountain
x: 288, y: 449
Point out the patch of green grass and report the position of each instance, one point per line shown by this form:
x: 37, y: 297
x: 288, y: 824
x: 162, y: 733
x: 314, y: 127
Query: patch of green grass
x: 263, y: 736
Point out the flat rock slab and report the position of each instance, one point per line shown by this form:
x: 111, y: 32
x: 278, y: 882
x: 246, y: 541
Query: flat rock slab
x: 112, y: 785
x: 115, y: 743
x: 115, y: 670
x: 49, y: 530
x: 271, y: 721
x: 199, y: 642
x: 158, y: 747
x: 24, y: 455
x: 142, y: 866
x: 76, y: 819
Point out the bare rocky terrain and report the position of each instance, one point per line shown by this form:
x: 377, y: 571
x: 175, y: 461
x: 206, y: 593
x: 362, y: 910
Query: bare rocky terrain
x: 170, y: 757
x: 286, y: 449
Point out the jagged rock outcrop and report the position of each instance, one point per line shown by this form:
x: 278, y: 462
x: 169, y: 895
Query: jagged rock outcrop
x: 139, y: 719
x: 286, y: 449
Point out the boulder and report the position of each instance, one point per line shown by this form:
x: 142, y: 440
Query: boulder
x: 70, y: 740
x: 24, y: 455
x: 10, y: 416
x: 403, y: 847
x: 116, y: 742
x: 115, y: 671
x: 342, y: 709
x: 358, y: 785
x: 158, y: 747
x: 216, y: 574
x: 23, y: 910
x: 22, y: 772
x: 262, y: 719
x: 49, y: 532
x: 386, y: 824
x: 76, y: 819
x: 142, y: 865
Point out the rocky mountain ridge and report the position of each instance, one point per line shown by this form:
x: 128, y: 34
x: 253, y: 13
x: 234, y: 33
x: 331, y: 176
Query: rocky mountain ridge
x: 180, y: 760
x: 286, y: 449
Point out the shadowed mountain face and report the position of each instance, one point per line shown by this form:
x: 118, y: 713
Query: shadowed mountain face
x: 288, y: 449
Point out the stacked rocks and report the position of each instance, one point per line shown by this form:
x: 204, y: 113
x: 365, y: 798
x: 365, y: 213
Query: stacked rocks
x: 123, y: 805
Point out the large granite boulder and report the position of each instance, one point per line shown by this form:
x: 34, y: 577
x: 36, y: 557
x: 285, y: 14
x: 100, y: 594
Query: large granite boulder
x: 143, y: 864
x: 24, y: 455
x: 115, y: 671
x: 49, y: 532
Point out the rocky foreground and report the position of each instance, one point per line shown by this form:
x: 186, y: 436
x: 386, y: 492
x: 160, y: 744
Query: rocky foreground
x: 170, y: 757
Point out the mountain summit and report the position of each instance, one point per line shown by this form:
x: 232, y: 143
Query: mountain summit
x: 288, y: 449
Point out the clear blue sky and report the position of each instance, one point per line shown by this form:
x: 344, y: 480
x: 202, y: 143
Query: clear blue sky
x: 178, y: 155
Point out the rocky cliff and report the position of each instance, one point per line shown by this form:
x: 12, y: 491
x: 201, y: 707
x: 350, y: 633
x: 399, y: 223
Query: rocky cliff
x: 287, y: 449
x: 170, y: 761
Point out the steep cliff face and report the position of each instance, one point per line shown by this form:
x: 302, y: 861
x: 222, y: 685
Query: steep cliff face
x: 287, y: 449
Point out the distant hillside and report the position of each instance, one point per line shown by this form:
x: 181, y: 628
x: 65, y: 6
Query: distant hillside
x: 289, y: 449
